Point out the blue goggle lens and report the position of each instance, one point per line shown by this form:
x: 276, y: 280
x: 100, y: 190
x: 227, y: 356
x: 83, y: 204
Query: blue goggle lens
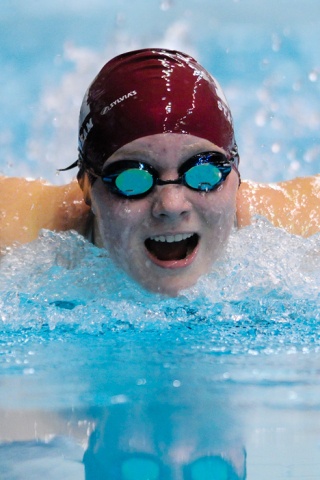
x: 134, y: 181
x: 209, y: 468
x: 204, y: 468
x: 203, y: 172
x: 203, y: 177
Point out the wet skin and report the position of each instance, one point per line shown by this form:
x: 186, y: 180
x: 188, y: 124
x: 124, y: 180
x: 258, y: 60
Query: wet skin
x: 134, y: 230
x: 27, y: 206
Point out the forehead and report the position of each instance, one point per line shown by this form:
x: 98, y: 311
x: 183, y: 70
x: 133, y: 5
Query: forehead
x: 164, y: 148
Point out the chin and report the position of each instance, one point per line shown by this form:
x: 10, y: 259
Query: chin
x: 169, y: 285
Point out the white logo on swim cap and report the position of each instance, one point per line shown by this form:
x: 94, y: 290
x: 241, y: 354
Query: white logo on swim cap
x: 85, y: 109
x: 85, y: 121
x: 107, y: 109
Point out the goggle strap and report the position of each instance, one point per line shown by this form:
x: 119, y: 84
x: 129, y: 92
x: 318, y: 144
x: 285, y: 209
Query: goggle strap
x: 73, y: 165
x: 235, y: 168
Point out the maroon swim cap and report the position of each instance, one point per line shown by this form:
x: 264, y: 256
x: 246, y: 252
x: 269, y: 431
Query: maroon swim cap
x: 146, y: 92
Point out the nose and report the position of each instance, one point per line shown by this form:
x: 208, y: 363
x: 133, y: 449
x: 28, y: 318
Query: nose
x: 170, y: 202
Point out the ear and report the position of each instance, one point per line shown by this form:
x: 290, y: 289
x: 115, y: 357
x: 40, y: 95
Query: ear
x: 85, y: 186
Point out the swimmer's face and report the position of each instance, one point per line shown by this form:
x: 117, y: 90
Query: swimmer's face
x: 144, y: 235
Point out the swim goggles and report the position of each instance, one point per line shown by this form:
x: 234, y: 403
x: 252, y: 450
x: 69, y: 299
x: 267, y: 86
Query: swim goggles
x: 203, y: 172
x: 147, y: 467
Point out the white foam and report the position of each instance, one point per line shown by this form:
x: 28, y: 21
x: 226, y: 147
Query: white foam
x: 264, y: 273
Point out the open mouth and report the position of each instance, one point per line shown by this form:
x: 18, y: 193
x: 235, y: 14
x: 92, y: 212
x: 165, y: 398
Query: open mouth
x: 172, y: 247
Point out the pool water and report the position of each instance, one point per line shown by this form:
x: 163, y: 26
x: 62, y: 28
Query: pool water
x: 266, y: 58
x: 231, y: 364
x: 94, y: 367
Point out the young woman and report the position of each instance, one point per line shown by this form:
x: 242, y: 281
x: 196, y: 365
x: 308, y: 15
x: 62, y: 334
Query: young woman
x: 158, y: 169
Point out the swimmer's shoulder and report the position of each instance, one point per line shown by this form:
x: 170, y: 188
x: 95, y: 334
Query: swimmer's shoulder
x: 27, y: 206
x: 293, y: 205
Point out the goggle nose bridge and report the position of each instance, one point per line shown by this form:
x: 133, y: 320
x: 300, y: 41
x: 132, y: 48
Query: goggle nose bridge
x: 178, y: 181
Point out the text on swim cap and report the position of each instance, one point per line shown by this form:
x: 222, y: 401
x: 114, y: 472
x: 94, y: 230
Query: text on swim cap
x: 84, y: 130
x: 107, y: 109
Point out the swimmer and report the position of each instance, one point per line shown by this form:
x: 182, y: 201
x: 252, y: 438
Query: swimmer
x: 159, y: 177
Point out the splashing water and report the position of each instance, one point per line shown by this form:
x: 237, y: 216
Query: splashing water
x: 237, y: 354
x: 245, y: 336
x: 264, y: 276
x: 272, y: 84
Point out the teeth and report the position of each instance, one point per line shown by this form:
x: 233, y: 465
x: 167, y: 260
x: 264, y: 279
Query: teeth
x: 171, y: 238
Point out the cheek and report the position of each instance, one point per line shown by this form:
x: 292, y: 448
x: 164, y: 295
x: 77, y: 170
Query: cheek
x: 118, y: 221
x: 219, y: 209
x: 115, y: 224
x: 218, y: 213
x: 108, y: 214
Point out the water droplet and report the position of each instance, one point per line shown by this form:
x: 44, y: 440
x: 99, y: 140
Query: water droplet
x: 165, y: 5
x: 295, y: 166
x: 313, y: 76
x: 28, y: 371
x: 260, y: 119
x: 276, y: 43
x: 119, y: 399
x: 275, y: 148
x: 141, y: 381
x: 296, y: 86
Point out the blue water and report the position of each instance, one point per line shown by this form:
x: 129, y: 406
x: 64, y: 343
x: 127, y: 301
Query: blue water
x: 230, y: 364
x: 265, y: 56
x: 86, y: 355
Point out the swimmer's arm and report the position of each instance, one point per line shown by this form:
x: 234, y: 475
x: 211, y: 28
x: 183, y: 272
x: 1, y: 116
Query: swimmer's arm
x: 293, y: 205
x: 27, y: 206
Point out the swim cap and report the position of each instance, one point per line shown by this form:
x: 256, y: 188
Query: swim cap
x: 146, y: 92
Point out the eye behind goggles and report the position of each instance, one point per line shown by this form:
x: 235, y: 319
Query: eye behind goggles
x: 202, y: 172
